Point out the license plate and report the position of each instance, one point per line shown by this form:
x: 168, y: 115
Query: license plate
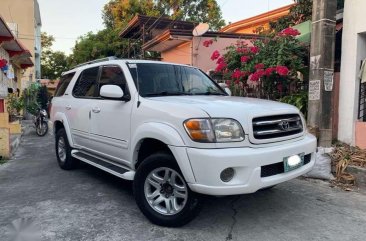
x: 293, y: 162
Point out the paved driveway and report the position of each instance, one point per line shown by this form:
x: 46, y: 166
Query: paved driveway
x: 88, y: 204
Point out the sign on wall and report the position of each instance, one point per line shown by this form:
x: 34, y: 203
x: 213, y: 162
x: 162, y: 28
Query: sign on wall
x: 314, y: 90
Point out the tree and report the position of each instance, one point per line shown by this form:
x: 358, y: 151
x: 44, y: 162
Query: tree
x: 117, y: 13
x: 97, y: 45
x: 53, y: 63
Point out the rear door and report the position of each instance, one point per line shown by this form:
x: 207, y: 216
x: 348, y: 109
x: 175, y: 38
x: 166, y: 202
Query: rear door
x: 110, y: 119
x: 79, y: 109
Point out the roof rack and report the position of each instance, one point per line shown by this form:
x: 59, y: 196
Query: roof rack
x: 96, y: 61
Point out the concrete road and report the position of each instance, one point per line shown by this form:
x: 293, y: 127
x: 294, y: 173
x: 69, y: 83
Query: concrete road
x: 88, y: 204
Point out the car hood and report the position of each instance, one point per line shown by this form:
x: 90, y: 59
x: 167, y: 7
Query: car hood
x: 241, y: 109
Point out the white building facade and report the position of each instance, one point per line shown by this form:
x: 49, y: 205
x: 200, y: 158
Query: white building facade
x: 352, y: 112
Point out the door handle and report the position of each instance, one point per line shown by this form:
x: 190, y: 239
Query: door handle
x: 96, y: 109
x: 68, y: 107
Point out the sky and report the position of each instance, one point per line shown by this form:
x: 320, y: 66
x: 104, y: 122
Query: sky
x: 66, y: 20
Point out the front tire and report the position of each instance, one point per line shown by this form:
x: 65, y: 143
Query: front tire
x: 162, y: 194
x: 63, y: 151
x: 42, y: 128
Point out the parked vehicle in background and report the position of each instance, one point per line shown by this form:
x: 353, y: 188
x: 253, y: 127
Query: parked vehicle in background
x: 40, y: 122
x: 176, y: 134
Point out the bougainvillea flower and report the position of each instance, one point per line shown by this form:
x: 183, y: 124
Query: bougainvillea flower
x: 290, y: 32
x: 244, y: 59
x: 215, y: 55
x: 254, y: 77
x: 282, y: 70
x: 270, y: 70
x: 260, y: 73
x: 254, y: 49
x: 207, y: 43
x: 220, y: 67
x: 220, y: 60
x: 228, y: 82
x: 236, y: 74
x: 259, y: 66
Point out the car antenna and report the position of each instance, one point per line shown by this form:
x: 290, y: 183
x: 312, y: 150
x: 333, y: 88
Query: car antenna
x: 134, y: 66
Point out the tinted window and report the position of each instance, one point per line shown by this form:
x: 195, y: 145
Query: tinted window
x: 113, y: 75
x: 86, y: 83
x: 63, y: 84
x: 165, y: 79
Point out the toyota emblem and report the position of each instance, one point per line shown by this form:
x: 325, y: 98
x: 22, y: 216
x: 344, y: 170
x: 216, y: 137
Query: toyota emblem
x: 284, y: 125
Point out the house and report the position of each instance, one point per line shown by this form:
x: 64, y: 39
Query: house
x: 175, y: 41
x: 24, y: 19
x: 250, y: 25
x: 14, y: 60
x: 352, y: 95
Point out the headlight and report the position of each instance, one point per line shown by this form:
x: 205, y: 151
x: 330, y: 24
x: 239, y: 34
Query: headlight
x: 214, y: 130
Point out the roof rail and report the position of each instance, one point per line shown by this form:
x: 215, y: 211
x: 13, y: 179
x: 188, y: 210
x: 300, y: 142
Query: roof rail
x: 96, y: 61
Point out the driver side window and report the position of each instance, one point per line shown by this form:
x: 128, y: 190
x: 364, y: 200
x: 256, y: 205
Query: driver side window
x: 113, y: 75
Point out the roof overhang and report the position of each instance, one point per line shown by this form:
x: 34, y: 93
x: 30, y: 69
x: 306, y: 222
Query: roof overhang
x: 174, y: 37
x: 134, y: 27
x: 5, y: 32
x: 259, y: 19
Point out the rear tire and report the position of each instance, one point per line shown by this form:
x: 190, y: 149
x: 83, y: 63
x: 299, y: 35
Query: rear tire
x: 63, y: 151
x: 162, y: 194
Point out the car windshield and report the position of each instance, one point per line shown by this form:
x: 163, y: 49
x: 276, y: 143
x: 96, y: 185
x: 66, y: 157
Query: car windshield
x: 169, y: 80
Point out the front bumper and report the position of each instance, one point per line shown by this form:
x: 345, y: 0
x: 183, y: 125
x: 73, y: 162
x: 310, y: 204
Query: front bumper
x: 207, y: 164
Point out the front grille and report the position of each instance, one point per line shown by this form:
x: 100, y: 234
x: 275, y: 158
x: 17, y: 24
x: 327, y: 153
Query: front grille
x: 278, y: 168
x: 268, y: 127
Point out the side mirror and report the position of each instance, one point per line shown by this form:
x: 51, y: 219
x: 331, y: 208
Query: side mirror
x: 228, y: 91
x: 224, y: 86
x: 113, y: 92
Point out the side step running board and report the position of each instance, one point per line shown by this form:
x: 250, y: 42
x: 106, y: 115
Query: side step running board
x: 105, y: 165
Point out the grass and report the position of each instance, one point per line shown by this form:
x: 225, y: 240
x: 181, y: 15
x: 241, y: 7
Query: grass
x: 2, y: 161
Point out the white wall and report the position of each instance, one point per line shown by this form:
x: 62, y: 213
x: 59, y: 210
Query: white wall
x: 353, y: 52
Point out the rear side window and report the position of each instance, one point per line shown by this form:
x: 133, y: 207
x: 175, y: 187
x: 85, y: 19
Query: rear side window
x: 63, y: 84
x: 86, y: 85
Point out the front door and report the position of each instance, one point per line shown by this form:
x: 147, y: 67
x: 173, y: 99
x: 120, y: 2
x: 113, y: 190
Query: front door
x: 110, y: 119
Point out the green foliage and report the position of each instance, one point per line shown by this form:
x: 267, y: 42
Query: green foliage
x: 299, y: 100
x: 299, y: 13
x: 53, y: 63
x: 42, y: 97
x: 14, y: 104
x: 97, y: 45
x: 30, y: 98
x: 117, y: 13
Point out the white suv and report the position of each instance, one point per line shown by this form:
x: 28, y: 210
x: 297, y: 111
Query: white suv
x: 176, y: 134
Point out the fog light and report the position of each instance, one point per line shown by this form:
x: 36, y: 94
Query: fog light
x: 227, y: 174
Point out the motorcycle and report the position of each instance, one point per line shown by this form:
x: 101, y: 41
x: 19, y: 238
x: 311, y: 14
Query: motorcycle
x: 40, y: 121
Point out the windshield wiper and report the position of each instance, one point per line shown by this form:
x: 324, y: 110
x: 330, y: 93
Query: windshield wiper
x: 166, y: 93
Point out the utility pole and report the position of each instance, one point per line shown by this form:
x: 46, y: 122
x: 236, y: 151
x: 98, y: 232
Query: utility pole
x: 321, y: 70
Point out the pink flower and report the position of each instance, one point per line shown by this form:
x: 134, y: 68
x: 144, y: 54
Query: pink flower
x: 215, y: 55
x: 289, y: 32
x: 259, y: 66
x: 207, y: 43
x: 254, y: 49
x: 228, y: 82
x: 220, y: 67
x: 244, y: 59
x: 260, y: 73
x: 236, y: 74
x: 237, y: 82
x: 254, y: 77
x: 282, y: 70
x: 269, y: 71
x: 220, y: 60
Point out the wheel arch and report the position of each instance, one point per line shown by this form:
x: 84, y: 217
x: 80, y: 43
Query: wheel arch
x: 60, y: 121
